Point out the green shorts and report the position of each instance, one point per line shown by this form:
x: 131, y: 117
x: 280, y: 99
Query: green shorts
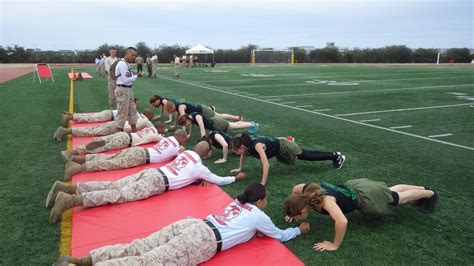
x: 207, y: 112
x: 373, y: 197
x: 289, y: 151
x: 219, y: 124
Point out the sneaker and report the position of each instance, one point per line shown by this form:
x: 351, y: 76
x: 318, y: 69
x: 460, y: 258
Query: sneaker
x: 213, y: 108
x: 254, y: 127
x: 240, y: 118
x: 472, y: 105
x: 290, y: 138
x: 429, y: 205
x: 339, y: 161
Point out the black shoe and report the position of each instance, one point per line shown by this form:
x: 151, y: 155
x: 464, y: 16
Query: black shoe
x: 213, y: 108
x: 337, y: 164
x: 429, y: 205
x: 419, y: 202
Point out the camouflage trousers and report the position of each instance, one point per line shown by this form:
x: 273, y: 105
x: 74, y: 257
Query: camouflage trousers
x: 101, y: 130
x: 126, y: 109
x: 184, y: 242
x: 144, y: 184
x: 112, y: 142
x: 176, y: 70
x: 127, y: 158
x: 111, y: 85
x: 102, y: 116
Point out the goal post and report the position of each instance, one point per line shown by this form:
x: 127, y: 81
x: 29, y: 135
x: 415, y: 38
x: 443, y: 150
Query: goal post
x: 272, y: 56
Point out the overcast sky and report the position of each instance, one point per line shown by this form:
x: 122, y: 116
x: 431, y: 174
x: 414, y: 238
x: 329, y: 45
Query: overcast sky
x: 87, y: 24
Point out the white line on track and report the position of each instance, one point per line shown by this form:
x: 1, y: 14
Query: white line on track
x: 405, y: 109
x: 321, y: 110
x: 325, y: 115
x: 252, y: 94
x: 276, y: 100
x: 369, y: 120
x: 367, y: 91
x: 287, y: 102
x: 456, y: 93
x: 440, y: 136
x: 305, y: 106
x: 400, y: 127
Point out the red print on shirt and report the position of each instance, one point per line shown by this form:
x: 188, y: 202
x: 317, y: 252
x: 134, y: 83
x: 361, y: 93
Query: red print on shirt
x: 161, y: 146
x: 231, y: 212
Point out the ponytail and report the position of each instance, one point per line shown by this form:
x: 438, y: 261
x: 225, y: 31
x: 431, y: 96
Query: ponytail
x: 237, y: 141
x: 253, y: 193
x: 295, y: 204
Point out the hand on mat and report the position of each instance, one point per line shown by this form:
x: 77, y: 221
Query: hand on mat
x: 259, y: 234
x: 205, y: 184
x: 220, y: 161
x: 240, y: 176
x: 304, y: 228
x: 236, y: 170
x: 289, y: 219
x: 325, y: 245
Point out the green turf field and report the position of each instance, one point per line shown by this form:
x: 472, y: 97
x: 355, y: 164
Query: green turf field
x: 397, y: 124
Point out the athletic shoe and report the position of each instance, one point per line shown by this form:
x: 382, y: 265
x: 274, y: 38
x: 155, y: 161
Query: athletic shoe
x: 472, y: 105
x: 254, y: 127
x: 429, y: 205
x: 213, y: 108
x: 240, y: 118
x: 339, y: 161
x: 290, y: 138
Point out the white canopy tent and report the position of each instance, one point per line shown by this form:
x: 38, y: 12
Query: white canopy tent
x: 201, y: 49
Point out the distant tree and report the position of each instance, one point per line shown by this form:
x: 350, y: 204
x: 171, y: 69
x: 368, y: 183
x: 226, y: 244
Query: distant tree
x: 459, y: 55
x: 422, y: 55
x: 142, y: 49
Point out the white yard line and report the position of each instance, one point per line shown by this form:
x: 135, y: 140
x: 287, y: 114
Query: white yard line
x: 325, y: 115
x: 304, y: 106
x: 456, y: 93
x: 440, y: 136
x: 252, y: 94
x: 276, y: 100
x: 377, y: 80
x: 401, y: 110
x: 287, y: 102
x: 369, y: 120
x: 400, y: 127
x: 367, y: 91
x: 321, y: 110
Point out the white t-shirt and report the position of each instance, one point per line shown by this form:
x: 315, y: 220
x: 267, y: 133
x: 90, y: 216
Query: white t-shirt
x: 109, y: 62
x: 239, y: 223
x: 146, y: 135
x: 123, y: 69
x: 142, y: 122
x: 164, y: 150
x: 188, y: 168
x: 176, y: 61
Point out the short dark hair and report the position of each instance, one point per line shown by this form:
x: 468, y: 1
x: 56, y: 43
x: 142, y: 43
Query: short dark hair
x: 238, y: 141
x: 131, y: 48
x: 154, y: 98
x: 112, y: 48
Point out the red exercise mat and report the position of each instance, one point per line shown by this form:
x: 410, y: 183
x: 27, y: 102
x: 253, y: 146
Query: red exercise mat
x: 121, y: 223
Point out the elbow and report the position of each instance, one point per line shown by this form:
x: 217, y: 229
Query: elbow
x: 343, y: 222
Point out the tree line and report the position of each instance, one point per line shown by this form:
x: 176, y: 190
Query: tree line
x: 388, y: 54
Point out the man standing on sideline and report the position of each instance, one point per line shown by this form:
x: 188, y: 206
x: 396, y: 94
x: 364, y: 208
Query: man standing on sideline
x: 176, y: 66
x: 126, y: 110
x: 154, y: 62
x: 148, y: 65
x: 111, y: 84
x: 139, y: 60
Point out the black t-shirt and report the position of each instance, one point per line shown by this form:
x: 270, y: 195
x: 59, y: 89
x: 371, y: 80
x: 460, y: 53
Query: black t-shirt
x: 346, y: 198
x: 190, y: 108
x: 271, y: 145
x: 208, y: 124
x: 214, y: 142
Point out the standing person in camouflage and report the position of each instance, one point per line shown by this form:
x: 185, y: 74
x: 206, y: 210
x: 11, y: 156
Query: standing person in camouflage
x: 124, y: 92
x: 119, y: 140
x: 164, y: 150
x: 111, y: 84
x: 186, y: 169
x: 193, y: 241
x: 148, y: 65
x: 105, y: 129
x: 102, y: 116
x: 139, y: 60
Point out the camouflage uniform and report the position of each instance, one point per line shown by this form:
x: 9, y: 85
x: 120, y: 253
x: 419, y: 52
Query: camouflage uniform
x: 102, y: 116
x: 126, y: 109
x: 111, y: 85
x: 101, y: 130
x: 112, y: 142
x: 127, y: 158
x: 185, y: 242
x: 141, y: 185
